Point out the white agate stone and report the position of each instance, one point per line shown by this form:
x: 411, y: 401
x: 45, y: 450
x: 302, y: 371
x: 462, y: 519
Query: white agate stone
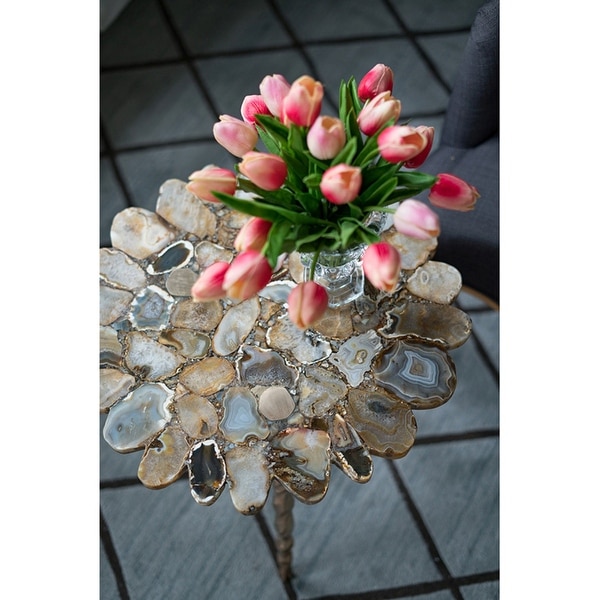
x: 435, y: 281
x: 208, y: 253
x: 240, y: 416
x: 154, y: 360
x: 140, y: 232
x: 197, y: 415
x: 354, y: 357
x: 113, y: 304
x: 235, y: 326
x: 319, y: 390
x: 249, y: 478
x: 114, y: 385
x: 414, y: 252
x: 184, y: 210
x: 306, y: 348
x: 276, y: 403
x: 180, y: 282
x: 118, y: 269
x: 207, y: 376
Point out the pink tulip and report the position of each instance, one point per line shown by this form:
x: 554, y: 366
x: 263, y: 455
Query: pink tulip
x: 267, y: 171
x: 211, y: 179
x: 273, y: 89
x: 235, y: 135
x: 253, y: 105
x: 209, y: 286
x: 341, y: 184
x: 248, y: 273
x: 379, y: 79
x: 326, y: 137
x: 400, y: 142
x: 307, y: 303
x: 302, y: 104
x: 381, y: 265
x: 415, y: 219
x: 453, y: 193
x: 377, y: 112
x: 419, y: 159
x: 253, y: 235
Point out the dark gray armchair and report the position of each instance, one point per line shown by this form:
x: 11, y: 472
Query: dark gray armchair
x: 469, y: 148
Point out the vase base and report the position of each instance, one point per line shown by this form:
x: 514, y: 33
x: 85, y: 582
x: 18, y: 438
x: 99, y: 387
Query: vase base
x: 342, y: 290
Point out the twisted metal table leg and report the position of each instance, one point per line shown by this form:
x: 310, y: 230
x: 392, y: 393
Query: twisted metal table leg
x: 283, y: 502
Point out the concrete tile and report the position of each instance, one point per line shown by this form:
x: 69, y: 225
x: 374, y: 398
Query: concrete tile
x: 431, y: 15
x: 139, y: 35
x: 153, y: 105
x: 112, y: 200
x: 230, y: 78
x: 487, y: 327
x: 481, y: 591
x: 456, y: 489
x: 171, y: 547
x: 107, y: 583
x: 359, y: 18
x: 414, y: 84
x: 210, y: 27
x: 359, y: 537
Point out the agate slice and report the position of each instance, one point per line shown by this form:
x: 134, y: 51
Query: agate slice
x: 173, y: 257
x: 133, y: 421
x: 424, y: 376
x: 349, y: 451
x: 249, y: 478
x: 300, y: 461
x: 241, y: 419
x: 206, y: 471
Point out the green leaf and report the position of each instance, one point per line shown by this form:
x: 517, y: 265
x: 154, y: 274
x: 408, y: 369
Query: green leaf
x: 347, y: 229
x: 275, y: 240
x: 274, y: 127
x: 269, y: 141
x: 346, y: 154
x: 416, y: 180
x: 377, y: 194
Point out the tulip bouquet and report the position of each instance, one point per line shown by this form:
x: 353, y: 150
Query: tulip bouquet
x: 317, y: 184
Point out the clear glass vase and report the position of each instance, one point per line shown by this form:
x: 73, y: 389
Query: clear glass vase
x: 340, y: 272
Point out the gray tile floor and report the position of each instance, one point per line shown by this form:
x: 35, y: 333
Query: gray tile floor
x: 426, y: 526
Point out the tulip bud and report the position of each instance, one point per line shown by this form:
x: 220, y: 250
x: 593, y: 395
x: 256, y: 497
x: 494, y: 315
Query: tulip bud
x: 381, y: 265
x: 377, y: 112
x: 267, y: 171
x: 341, y: 184
x: 453, y: 193
x: 248, y: 273
x: 235, y: 135
x: 400, y: 142
x: 379, y: 79
x: 209, y: 286
x: 415, y: 219
x: 211, y: 179
x: 273, y: 89
x: 307, y: 303
x: 253, y: 105
x: 253, y: 235
x: 326, y: 137
x: 302, y: 104
x: 419, y: 159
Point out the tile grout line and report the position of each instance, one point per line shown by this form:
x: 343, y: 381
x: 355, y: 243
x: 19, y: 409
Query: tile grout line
x: 112, y: 158
x: 113, y: 558
x: 424, y: 531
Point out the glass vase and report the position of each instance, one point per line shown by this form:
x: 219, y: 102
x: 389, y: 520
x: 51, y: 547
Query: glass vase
x: 340, y: 272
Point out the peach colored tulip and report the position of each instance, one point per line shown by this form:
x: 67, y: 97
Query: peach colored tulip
x: 377, y: 112
x: 381, y: 265
x: 267, y: 171
x: 307, y: 303
x: 302, y: 104
x: 235, y: 135
x: 211, y: 179
x: 415, y: 219
x: 253, y: 105
x: 400, y: 142
x: 379, y: 79
x: 341, y: 184
x: 273, y: 89
x: 453, y: 193
x: 420, y: 158
x: 253, y: 235
x: 248, y: 273
x: 326, y: 137
x: 209, y: 286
